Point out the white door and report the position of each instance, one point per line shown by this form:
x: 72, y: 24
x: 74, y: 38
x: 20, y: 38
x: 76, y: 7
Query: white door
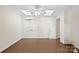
x: 43, y: 28
x: 30, y: 29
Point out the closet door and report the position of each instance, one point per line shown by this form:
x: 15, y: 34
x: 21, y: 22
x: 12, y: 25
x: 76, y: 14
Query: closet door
x: 43, y: 27
x: 30, y: 28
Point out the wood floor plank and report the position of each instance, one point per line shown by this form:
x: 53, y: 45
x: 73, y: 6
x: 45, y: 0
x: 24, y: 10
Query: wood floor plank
x: 38, y: 45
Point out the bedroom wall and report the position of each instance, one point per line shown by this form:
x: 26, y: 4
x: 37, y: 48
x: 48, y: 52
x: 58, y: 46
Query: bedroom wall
x: 74, y: 15
x: 10, y: 27
x: 69, y: 21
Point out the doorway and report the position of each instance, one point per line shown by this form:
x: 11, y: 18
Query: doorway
x: 58, y: 28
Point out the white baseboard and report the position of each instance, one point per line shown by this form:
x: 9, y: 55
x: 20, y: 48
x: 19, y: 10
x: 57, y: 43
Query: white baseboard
x: 39, y: 37
x: 35, y: 37
x: 7, y: 46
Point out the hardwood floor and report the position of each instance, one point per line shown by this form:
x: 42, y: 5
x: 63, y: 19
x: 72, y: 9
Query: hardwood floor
x: 38, y: 46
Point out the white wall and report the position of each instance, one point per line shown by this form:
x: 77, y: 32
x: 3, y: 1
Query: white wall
x: 68, y: 26
x: 74, y: 16
x: 69, y: 30
x: 71, y: 26
x: 40, y: 27
x: 10, y: 27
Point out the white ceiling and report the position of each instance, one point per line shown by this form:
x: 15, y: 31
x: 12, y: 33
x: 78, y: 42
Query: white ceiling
x: 58, y: 8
